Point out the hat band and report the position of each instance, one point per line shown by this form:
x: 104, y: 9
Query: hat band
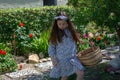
x: 61, y: 17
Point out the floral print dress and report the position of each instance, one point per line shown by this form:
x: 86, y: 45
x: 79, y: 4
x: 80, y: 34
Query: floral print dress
x: 65, y: 55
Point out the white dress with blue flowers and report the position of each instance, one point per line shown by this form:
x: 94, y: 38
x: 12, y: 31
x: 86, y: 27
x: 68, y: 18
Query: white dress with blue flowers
x: 65, y: 55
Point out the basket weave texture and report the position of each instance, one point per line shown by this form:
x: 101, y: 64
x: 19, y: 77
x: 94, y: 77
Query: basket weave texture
x: 91, y: 56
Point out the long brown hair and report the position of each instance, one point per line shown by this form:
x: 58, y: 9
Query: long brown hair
x: 57, y: 34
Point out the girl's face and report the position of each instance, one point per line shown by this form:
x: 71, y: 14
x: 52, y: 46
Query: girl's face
x: 62, y: 24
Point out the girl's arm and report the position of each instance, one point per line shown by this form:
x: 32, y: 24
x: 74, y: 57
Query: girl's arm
x: 52, y: 52
x: 54, y: 62
x: 79, y: 40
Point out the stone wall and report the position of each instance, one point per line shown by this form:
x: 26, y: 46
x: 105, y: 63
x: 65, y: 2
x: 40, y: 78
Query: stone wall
x: 20, y: 3
x: 61, y: 2
x: 26, y: 3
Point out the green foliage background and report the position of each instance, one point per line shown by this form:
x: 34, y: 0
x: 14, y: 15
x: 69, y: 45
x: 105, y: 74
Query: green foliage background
x: 40, y: 19
x: 35, y: 19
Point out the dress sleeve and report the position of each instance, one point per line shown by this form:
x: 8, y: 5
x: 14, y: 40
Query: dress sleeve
x: 51, y: 50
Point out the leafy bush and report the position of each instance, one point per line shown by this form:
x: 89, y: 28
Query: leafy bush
x: 35, y: 19
x: 7, y: 63
x: 40, y: 45
x: 102, y: 40
x: 23, y: 38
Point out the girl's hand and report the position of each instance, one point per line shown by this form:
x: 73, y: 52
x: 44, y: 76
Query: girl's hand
x: 54, y: 62
x: 81, y: 41
x: 78, y: 36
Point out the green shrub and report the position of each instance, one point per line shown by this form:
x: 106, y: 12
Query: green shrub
x: 23, y: 38
x: 7, y: 63
x: 35, y: 19
x: 38, y: 20
x: 40, y: 45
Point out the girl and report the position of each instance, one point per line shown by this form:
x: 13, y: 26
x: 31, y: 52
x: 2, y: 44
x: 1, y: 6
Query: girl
x: 62, y: 49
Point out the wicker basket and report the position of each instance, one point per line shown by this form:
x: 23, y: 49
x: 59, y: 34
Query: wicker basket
x: 91, y: 56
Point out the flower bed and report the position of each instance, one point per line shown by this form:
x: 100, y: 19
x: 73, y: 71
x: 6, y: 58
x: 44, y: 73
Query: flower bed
x: 7, y: 63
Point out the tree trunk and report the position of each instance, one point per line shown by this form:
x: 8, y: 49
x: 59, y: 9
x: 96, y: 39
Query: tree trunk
x: 118, y: 34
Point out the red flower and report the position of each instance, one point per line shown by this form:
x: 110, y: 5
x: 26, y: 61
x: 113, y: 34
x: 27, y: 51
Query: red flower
x: 85, y: 35
x: 21, y: 24
x: 30, y: 35
x: 20, y: 66
x: 98, y: 38
x: 2, y: 52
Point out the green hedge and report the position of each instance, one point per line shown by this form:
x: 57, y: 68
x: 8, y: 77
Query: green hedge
x: 35, y: 19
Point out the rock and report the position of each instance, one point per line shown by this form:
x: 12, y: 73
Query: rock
x: 33, y: 58
x: 19, y: 59
x: 43, y: 60
x: 44, y: 66
x: 49, y: 59
x: 22, y: 73
x: 41, y: 55
x: 115, y: 63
